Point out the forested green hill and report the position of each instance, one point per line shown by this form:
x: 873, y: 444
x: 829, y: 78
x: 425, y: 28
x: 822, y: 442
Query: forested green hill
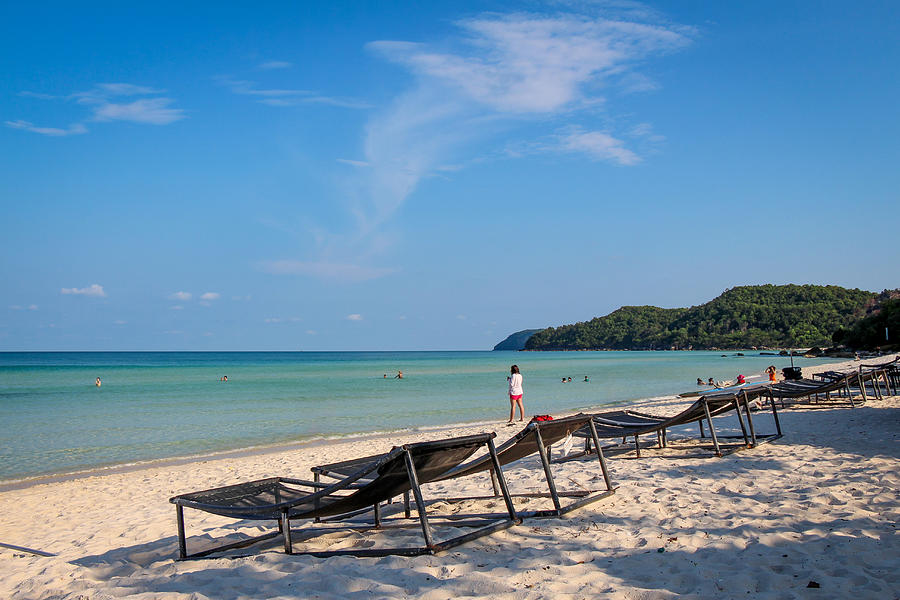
x: 779, y: 316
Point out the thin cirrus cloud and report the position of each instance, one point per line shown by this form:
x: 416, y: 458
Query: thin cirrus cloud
x: 94, y: 290
x: 599, y: 145
x: 107, y: 102
x: 354, y: 317
x: 517, y: 74
x: 284, y: 97
x: 504, y: 73
x: 183, y: 296
x: 346, y: 272
x: 274, y: 64
x: 73, y: 129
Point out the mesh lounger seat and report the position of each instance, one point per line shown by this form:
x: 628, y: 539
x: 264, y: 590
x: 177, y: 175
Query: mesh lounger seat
x: 886, y: 373
x: 829, y: 382
x: 629, y: 423
x: 536, y: 437
x: 376, y: 480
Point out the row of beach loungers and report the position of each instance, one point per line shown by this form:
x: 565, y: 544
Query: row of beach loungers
x: 341, y: 492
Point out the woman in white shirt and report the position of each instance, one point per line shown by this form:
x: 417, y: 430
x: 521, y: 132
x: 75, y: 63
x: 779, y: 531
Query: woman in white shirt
x: 515, y: 393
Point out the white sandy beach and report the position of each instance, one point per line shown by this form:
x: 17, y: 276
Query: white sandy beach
x: 819, y: 505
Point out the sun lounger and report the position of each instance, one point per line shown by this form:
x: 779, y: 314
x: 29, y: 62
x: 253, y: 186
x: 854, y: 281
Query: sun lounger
x: 401, y: 470
x: 537, y: 437
x: 829, y: 382
x: 628, y: 423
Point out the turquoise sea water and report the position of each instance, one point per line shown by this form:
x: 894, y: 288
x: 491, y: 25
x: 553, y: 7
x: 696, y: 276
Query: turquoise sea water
x: 156, y: 405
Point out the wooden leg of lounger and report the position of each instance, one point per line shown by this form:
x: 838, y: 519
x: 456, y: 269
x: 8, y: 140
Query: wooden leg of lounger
x: 737, y: 409
x: 182, y: 544
x: 420, y: 502
x: 502, y: 481
x: 603, y: 466
x: 406, y: 511
x: 862, y: 389
x: 749, y: 418
x: 775, y: 416
x: 286, y: 532
x: 545, y: 461
x: 702, y: 434
x: 637, y: 446
x: 494, y: 483
x: 712, y: 430
x: 316, y: 502
x: 376, y: 510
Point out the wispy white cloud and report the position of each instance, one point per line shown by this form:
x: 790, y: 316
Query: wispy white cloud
x: 274, y: 64
x: 19, y: 307
x: 326, y: 270
x: 503, y: 72
x: 183, y: 296
x: 535, y: 63
x: 353, y: 163
x: 599, y: 145
x: 73, y: 129
x: 102, y: 92
x: 287, y: 96
x: 283, y: 320
x: 176, y: 307
x: 104, y: 105
x: 354, y: 317
x: 120, y: 322
x: 93, y: 290
x: 534, y: 76
x: 154, y: 111
x: 210, y: 296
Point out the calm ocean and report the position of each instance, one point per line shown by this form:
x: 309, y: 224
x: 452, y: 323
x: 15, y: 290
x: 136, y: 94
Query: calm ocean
x: 157, y: 405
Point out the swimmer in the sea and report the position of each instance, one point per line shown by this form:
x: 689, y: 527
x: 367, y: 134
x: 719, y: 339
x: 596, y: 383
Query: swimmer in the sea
x: 98, y: 382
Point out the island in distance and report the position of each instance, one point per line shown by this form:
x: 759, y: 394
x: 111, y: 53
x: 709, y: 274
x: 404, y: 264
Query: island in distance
x: 757, y: 316
x: 516, y: 341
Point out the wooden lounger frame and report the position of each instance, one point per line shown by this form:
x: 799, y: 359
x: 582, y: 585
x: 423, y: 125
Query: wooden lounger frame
x: 704, y: 409
x: 358, y: 481
x: 529, y: 440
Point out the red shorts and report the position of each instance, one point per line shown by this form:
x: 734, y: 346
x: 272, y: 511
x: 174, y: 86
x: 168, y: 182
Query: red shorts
x: 516, y: 397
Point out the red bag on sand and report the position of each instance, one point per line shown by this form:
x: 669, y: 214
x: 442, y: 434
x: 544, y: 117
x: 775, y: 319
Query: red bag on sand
x: 541, y: 418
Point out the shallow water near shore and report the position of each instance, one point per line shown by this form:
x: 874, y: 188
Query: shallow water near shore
x: 158, y: 405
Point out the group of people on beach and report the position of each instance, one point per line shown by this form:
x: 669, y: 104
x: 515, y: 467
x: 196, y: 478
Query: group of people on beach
x: 739, y: 379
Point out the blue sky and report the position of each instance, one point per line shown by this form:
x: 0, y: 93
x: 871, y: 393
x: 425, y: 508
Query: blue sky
x: 406, y: 175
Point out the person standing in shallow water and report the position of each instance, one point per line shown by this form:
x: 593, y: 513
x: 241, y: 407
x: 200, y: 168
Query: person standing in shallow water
x: 515, y: 393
